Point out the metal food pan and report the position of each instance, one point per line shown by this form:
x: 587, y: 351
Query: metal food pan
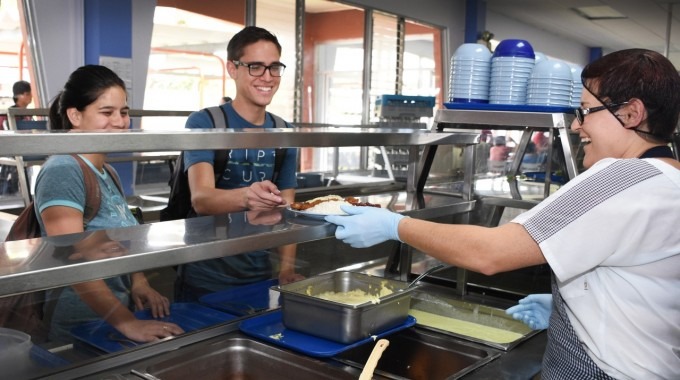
x: 448, y: 305
x: 303, y: 311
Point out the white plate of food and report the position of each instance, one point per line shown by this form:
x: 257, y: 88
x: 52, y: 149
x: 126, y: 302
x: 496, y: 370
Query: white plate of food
x: 310, y: 215
x: 319, y: 208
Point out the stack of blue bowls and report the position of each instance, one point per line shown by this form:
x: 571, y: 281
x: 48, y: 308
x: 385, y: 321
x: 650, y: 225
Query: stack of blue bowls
x: 538, y: 57
x: 550, y: 84
x: 511, y: 66
x: 470, y: 74
x: 577, y: 86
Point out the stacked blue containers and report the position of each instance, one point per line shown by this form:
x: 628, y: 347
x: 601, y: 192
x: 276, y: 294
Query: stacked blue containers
x: 511, y: 66
x: 577, y: 86
x: 550, y: 84
x: 470, y: 74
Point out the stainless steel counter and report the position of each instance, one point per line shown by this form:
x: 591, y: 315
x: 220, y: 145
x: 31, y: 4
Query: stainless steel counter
x: 37, y: 264
x: 46, y: 263
x: 182, y: 354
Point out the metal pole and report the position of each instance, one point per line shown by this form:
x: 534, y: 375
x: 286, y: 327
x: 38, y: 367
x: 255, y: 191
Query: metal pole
x: 401, y: 46
x: 368, y: 49
x: 251, y: 7
x: 366, y: 81
x: 299, y: 47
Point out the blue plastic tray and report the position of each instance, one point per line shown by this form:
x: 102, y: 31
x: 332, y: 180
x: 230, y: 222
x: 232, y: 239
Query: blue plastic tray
x: 189, y: 316
x: 507, y: 107
x: 269, y: 327
x: 241, y: 300
x: 46, y: 359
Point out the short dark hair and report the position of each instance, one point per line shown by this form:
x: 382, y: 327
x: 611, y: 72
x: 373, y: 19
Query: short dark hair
x: 21, y: 87
x: 18, y: 88
x: 248, y: 36
x: 82, y: 88
x: 638, y: 73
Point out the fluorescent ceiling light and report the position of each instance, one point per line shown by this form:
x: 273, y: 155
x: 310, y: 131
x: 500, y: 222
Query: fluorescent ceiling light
x: 599, y: 13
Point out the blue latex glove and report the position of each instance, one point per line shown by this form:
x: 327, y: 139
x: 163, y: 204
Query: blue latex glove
x: 365, y: 226
x: 534, y: 310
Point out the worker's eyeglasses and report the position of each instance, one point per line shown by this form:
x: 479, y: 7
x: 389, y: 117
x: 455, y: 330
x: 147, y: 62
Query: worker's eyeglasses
x: 257, y: 69
x: 582, y: 112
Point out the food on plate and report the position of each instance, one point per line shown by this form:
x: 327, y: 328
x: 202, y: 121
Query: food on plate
x: 328, y: 205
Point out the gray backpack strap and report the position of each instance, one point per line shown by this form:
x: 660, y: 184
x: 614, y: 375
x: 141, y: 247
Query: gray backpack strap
x: 219, y: 120
x: 280, y: 154
x: 278, y: 121
x: 218, y: 117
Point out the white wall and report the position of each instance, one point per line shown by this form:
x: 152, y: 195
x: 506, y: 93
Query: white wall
x: 541, y: 40
x: 142, y: 28
x: 57, y: 43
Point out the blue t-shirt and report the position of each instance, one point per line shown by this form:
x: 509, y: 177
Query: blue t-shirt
x: 60, y: 182
x: 244, y: 167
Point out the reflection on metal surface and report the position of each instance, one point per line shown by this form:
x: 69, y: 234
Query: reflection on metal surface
x: 67, y: 259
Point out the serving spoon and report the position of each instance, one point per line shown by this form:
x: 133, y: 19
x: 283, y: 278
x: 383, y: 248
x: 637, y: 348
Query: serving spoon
x: 372, y: 362
x: 427, y: 272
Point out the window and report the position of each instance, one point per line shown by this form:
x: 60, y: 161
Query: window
x: 13, y: 63
x: 186, y: 64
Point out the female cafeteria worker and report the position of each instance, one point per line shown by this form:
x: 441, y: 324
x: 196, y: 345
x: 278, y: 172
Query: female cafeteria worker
x: 94, y: 98
x: 609, y: 235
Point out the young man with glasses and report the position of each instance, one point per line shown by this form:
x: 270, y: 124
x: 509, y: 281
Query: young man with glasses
x: 609, y: 235
x: 247, y: 183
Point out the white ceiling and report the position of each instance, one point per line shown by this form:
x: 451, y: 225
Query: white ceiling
x: 644, y: 27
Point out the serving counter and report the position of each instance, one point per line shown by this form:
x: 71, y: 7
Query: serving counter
x: 38, y: 264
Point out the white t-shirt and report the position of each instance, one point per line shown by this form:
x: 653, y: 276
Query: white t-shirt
x: 612, y: 238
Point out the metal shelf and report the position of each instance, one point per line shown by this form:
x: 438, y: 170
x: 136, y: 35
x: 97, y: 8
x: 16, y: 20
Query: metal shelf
x: 475, y: 119
x: 13, y: 143
x: 38, y: 264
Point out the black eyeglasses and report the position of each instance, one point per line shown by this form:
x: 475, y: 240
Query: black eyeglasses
x: 582, y: 112
x: 257, y: 69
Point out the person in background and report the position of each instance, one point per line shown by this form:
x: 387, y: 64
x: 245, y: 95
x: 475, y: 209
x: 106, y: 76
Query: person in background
x: 225, y: 100
x: 482, y: 151
x: 609, y: 235
x: 541, y: 142
x: 22, y: 96
x: 93, y: 98
x: 253, y: 62
x: 500, y: 151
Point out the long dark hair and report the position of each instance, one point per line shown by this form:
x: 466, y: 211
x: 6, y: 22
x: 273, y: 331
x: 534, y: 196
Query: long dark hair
x: 82, y: 88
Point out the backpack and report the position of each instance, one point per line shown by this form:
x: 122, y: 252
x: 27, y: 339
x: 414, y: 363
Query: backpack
x: 24, y: 312
x: 179, y: 200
